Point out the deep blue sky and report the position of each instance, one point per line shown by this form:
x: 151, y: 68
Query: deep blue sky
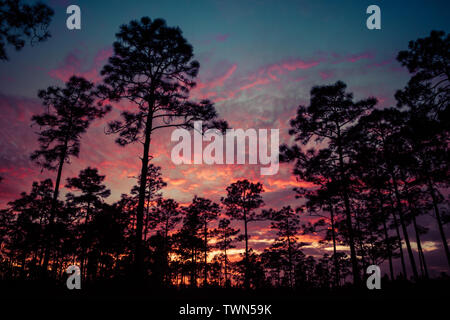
x: 257, y: 32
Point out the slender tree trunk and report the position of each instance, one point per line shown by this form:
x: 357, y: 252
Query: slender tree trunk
x: 335, y: 257
x: 439, y: 221
x: 84, y: 250
x: 423, y: 264
x: 147, y: 217
x: 412, y: 210
x: 205, y: 231
x: 139, y: 259
x: 246, y: 278
x: 348, y: 216
x: 166, y: 251
x: 53, y: 209
x: 194, y: 269
x: 290, y: 261
x: 226, y: 264
x: 405, y: 231
x: 386, y: 236
x: 360, y: 242
x: 400, y: 245
x: 355, y: 268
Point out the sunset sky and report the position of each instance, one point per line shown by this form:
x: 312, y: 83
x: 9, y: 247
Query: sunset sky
x: 259, y: 60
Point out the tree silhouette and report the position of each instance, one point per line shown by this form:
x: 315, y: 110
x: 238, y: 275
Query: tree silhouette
x: 70, y: 110
x: 166, y: 216
x: 207, y: 211
x: 243, y: 197
x: 225, y: 236
x: 88, y: 203
x: 427, y: 141
x: 153, y: 67
x: 426, y: 97
x: 273, y: 260
x: 252, y: 269
x: 383, y: 129
x: 287, y: 224
x: 155, y: 183
x: 89, y: 183
x: 427, y: 92
x: 319, y: 201
x: 199, y: 214
x: 330, y: 113
x: 28, y: 217
x: 22, y: 21
x: 374, y: 193
x: 416, y: 205
x: 190, y: 243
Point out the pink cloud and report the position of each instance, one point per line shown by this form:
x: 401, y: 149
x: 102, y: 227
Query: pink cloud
x: 219, y: 81
x: 325, y: 75
x: 214, y: 38
x: 355, y: 57
x: 221, y: 37
x: 255, y: 83
x: 75, y: 64
x: 299, y: 64
x: 289, y: 66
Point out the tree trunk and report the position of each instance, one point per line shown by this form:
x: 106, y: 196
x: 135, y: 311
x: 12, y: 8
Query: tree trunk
x: 405, y: 231
x: 139, y: 259
x: 53, y: 210
x: 439, y: 221
x: 290, y: 262
x: 348, y: 216
x: 246, y: 278
x: 412, y: 210
x: 336, y: 262
x: 147, y: 217
x: 165, y: 251
x: 226, y: 271
x: 423, y: 264
x: 386, y: 236
x: 400, y: 245
x: 360, y: 242
x: 206, y: 254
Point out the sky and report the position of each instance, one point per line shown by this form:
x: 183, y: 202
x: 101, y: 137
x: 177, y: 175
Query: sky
x: 258, y: 62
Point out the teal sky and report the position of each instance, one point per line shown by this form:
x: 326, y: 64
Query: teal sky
x: 255, y: 33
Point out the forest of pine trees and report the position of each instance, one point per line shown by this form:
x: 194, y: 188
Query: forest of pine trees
x: 375, y: 172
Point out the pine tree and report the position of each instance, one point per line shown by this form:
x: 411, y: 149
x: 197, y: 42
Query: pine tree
x: 426, y: 98
x: 225, y: 236
x: 243, y: 197
x: 153, y: 67
x: 153, y: 194
x: 166, y: 215
x: 69, y: 112
x: 287, y: 224
x: 88, y: 204
x: 22, y: 22
x: 330, y: 113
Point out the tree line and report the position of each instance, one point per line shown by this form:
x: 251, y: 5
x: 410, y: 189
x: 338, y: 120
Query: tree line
x: 375, y: 171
